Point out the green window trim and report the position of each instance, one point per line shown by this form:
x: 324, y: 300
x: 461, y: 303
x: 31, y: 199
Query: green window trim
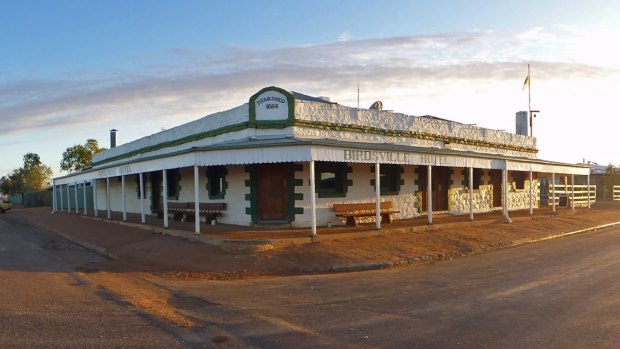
x: 144, y: 180
x: 252, y: 197
x: 478, y: 173
x: 519, y: 178
x: 330, y: 179
x: 174, y: 183
x: 216, y: 182
x: 390, y: 178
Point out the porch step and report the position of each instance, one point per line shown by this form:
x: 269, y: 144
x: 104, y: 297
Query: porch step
x: 267, y: 225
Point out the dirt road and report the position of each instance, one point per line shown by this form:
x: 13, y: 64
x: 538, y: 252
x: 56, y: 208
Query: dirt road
x: 140, y: 250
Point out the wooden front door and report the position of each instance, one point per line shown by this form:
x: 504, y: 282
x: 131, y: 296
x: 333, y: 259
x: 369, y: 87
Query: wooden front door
x: 440, y: 184
x: 496, y: 181
x: 273, y: 192
x: 155, y: 191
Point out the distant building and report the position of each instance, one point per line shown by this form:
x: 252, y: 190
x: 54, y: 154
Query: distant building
x: 604, y: 177
x: 257, y: 158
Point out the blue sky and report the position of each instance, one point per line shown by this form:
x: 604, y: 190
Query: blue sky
x: 73, y: 70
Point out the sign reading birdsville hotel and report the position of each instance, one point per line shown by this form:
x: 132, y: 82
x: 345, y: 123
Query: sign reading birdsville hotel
x: 115, y: 171
x: 393, y: 156
x: 409, y: 158
x: 271, y: 105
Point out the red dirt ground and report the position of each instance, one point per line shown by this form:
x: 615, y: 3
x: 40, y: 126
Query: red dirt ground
x: 139, y: 250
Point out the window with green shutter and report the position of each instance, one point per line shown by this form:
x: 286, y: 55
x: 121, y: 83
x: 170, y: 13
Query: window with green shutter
x: 216, y: 182
x: 330, y: 179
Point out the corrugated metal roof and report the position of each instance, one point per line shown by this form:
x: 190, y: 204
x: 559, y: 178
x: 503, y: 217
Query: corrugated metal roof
x: 291, y: 140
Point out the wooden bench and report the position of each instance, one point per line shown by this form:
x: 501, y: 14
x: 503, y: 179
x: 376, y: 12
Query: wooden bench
x: 208, y: 209
x: 367, y: 209
x: 185, y: 210
x: 178, y: 209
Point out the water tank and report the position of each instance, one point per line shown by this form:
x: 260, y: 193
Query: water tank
x: 522, y: 123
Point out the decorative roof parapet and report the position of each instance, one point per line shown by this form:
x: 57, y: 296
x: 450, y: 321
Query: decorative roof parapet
x: 334, y: 116
x: 275, y: 110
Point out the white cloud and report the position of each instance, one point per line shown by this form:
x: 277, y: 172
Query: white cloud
x: 448, y: 73
x: 346, y: 36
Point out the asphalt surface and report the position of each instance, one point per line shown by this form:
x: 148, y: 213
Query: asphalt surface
x: 562, y: 293
x: 45, y: 303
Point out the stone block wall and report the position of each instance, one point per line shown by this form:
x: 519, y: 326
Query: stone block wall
x: 520, y: 198
x: 458, y: 199
x: 395, y: 122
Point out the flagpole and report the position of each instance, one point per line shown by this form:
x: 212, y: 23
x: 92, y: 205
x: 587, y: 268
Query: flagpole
x: 529, y: 99
x: 358, y: 93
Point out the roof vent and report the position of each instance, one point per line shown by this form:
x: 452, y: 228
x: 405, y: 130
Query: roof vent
x: 378, y: 105
x: 113, y: 138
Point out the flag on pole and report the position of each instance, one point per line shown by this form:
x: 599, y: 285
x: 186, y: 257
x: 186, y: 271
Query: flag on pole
x: 526, y: 82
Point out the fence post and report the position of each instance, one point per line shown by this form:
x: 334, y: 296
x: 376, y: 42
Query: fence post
x: 588, y: 190
x: 572, y: 190
x: 553, y: 191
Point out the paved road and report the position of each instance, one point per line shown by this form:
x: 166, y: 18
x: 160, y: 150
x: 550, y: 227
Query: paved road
x: 45, y: 303
x: 563, y: 293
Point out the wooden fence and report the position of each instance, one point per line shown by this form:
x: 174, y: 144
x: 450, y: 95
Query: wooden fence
x: 563, y: 196
x: 616, y: 192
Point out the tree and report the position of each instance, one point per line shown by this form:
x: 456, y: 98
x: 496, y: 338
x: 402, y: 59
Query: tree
x: 36, y: 175
x: 13, y: 183
x: 80, y: 156
x: 33, y: 176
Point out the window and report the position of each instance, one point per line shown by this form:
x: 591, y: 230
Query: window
x: 477, y: 178
x: 519, y: 178
x: 144, y: 178
x: 216, y: 182
x: 174, y: 187
x: 330, y: 179
x: 389, y: 178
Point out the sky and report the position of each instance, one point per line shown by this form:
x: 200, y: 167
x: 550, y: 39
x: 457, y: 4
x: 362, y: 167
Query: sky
x: 73, y: 70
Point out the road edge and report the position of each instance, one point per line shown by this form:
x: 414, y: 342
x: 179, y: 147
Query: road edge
x: 444, y: 256
x: 84, y: 244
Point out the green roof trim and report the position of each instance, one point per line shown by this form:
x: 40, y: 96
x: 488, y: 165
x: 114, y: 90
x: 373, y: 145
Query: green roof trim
x: 195, y: 137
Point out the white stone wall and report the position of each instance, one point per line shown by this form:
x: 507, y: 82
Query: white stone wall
x: 520, y: 198
x: 100, y: 191
x: 458, y: 194
x: 235, y: 197
x: 132, y: 202
x: 132, y: 193
x: 333, y: 114
x: 458, y: 199
x: 304, y: 132
x: 186, y: 189
x: 235, y: 194
x: 407, y: 202
x: 361, y: 191
x: 338, y: 114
